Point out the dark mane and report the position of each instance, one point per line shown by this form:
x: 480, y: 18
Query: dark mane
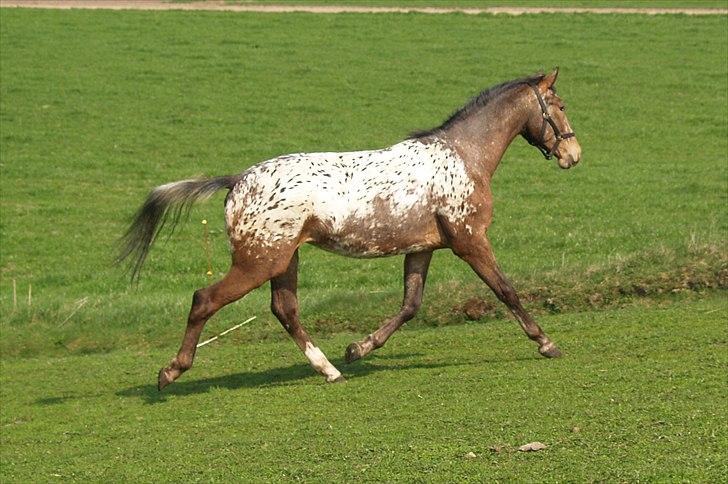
x: 478, y: 101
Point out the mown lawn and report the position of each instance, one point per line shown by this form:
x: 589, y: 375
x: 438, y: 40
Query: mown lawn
x: 639, y: 396
x: 623, y: 258
x: 97, y: 107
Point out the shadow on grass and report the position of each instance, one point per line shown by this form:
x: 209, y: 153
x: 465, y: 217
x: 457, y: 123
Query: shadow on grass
x: 297, y: 374
x: 275, y: 377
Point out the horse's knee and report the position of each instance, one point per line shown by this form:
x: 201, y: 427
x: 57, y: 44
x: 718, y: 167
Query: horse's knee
x: 409, y: 310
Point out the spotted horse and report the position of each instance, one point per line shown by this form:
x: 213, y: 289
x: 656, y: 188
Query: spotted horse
x: 428, y: 192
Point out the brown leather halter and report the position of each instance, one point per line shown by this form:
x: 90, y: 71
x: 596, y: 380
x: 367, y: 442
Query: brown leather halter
x: 547, y: 120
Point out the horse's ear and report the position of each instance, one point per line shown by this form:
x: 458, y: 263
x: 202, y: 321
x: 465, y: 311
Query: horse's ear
x: 548, y: 80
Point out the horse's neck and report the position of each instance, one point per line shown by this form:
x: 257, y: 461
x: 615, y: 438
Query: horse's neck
x: 482, y: 138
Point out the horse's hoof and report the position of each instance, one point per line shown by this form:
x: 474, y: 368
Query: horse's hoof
x: 353, y: 353
x: 550, y: 350
x: 162, y: 379
x: 338, y: 379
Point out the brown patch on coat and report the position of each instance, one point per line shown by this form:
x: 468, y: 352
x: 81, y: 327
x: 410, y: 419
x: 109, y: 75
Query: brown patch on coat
x: 378, y: 234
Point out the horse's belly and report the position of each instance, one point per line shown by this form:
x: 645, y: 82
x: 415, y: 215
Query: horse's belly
x: 364, y: 249
x: 380, y: 238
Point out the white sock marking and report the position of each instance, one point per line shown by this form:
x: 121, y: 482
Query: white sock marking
x: 320, y: 363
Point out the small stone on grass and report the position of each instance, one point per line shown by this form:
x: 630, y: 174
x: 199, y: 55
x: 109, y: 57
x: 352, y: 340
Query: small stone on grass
x: 532, y: 447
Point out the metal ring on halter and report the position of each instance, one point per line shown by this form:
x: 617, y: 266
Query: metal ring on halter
x: 547, y: 119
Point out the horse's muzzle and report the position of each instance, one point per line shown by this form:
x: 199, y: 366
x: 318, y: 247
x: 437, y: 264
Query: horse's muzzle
x: 570, y: 154
x: 567, y: 162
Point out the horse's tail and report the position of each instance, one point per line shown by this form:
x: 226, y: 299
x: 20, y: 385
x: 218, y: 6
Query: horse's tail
x: 166, y: 203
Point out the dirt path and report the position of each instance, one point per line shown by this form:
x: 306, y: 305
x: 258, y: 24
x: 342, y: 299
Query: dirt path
x: 223, y: 6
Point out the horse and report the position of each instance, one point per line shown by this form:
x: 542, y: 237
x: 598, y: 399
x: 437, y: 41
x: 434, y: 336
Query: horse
x: 428, y: 192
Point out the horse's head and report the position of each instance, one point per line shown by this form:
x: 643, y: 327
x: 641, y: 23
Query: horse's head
x: 547, y: 127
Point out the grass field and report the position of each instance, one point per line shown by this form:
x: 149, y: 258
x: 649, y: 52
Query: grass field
x: 632, y: 401
x: 88, y: 127
x: 624, y: 258
x: 497, y: 3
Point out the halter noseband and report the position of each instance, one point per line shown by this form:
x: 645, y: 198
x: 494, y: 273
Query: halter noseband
x: 547, y: 120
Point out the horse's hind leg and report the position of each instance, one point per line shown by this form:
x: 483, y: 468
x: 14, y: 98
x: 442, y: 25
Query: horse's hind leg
x: 242, y: 278
x: 415, y: 274
x: 284, y: 304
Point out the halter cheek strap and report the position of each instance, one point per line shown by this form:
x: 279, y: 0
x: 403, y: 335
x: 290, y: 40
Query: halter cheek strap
x: 547, y: 120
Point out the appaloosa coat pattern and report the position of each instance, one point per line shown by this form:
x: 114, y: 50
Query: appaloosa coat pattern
x: 361, y: 199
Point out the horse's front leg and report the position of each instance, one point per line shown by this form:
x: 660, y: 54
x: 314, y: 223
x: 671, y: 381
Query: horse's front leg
x: 477, y: 251
x: 415, y: 273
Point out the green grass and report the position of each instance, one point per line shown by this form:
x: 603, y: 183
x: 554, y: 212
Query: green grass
x: 623, y: 258
x: 89, y: 126
x: 644, y: 387
x: 497, y: 3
